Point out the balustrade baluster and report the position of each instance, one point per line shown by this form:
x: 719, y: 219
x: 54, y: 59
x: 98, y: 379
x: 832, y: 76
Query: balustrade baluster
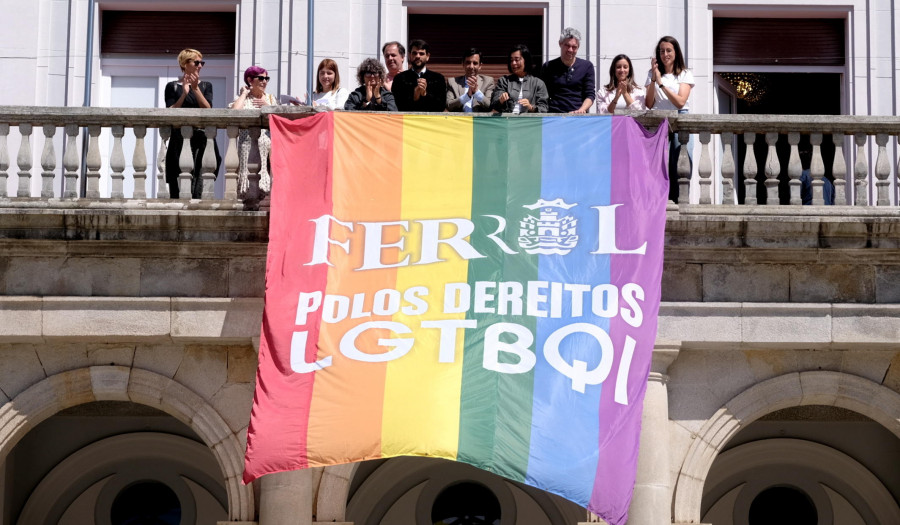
x: 882, y: 172
x: 795, y: 169
x: 139, y: 163
x: 161, y: 190
x: 839, y: 171
x: 185, y: 163
x: 48, y: 161
x: 231, y: 164
x: 71, y: 163
x: 684, y: 169
x: 704, y: 169
x: 817, y: 169
x: 861, y: 170
x: 897, y: 173
x: 23, y: 161
x: 750, y: 169
x: 727, y: 168
x: 4, y: 160
x: 117, y: 163
x: 772, y: 170
x: 93, y: 163
x: 253, y: 194
x: 208, y: 164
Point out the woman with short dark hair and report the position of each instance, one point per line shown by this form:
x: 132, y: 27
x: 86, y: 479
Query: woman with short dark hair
x: 253, y: 96
x: 520, y: 91
x: 371, y: 94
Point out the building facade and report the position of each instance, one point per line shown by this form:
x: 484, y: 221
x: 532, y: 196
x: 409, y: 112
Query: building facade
x: 809, y: 57
x: 129, y: 325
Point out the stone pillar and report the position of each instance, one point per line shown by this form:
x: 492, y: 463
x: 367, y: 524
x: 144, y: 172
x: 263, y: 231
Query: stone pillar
x: 652, y: 500
x: 285, y: 498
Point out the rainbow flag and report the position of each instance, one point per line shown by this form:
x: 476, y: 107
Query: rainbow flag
x: 481, y: 289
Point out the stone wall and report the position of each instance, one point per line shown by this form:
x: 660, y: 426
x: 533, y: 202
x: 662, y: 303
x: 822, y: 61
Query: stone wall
x: 115, y: 298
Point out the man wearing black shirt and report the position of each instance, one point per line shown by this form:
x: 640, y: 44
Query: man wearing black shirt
x: 418, y: 89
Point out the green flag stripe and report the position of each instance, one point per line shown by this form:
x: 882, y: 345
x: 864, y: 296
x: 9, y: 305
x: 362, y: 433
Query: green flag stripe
x: 495, y: 408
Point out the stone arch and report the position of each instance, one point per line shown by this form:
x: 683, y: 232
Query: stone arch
x: 121, y: 383
x: 866, y: 397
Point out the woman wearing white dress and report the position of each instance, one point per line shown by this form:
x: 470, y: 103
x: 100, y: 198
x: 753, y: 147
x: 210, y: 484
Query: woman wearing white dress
x: 668, y: 86
x: 253, y: 96
x: 622, y: 92
x: 329, y: 92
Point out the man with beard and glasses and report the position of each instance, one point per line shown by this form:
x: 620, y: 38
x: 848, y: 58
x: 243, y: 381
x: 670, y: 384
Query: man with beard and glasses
x: 418, y: 88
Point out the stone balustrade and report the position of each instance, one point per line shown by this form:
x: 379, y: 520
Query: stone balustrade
x: 72, y: 122
x: 849, y: 136
x: 720, y: 169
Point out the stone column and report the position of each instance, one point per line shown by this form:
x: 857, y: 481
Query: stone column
x: 285, y: 498
x: 652, y: 500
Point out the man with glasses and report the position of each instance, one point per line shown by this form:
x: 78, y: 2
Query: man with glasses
x: 418, y: 88
x: 569, y: 79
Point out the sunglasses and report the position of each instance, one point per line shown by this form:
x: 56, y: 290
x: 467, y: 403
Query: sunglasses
x: 261, y: 78
x: 199, y: 62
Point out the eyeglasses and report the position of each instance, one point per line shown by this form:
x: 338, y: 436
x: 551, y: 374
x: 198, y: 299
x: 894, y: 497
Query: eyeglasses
x: 261, y: 78
x: 199, y: 62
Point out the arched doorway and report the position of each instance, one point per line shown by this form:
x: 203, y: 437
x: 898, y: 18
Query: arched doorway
x: 428, y: 491
x: 814, y: 464
x: 806, y: 460
x: 113, y: 463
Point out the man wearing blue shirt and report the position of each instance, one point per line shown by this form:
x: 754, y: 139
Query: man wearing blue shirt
x: 569, y: 79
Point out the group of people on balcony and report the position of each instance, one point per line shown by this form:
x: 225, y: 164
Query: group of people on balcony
x: 561, y: 85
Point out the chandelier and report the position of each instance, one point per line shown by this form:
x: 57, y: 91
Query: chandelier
x: 751, y: 87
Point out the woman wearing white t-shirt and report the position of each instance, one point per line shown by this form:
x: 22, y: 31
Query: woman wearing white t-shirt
x: 668, y: 86
x: 329, y: 92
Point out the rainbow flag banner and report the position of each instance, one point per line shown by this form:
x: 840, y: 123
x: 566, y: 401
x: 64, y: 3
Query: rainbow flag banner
x: 481, y: 289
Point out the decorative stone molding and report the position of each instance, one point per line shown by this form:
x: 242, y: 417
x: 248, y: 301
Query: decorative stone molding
x: 102, y: 383
x: 795, y: 389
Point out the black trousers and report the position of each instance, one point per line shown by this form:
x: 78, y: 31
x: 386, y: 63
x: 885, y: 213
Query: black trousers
x: 198, y: 146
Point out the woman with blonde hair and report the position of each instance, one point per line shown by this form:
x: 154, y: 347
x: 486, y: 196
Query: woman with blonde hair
x: 329, y: 92
x: 621, y: 87
x: 188, y: 92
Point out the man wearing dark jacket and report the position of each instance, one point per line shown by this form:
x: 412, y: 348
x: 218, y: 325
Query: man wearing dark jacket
x: 418, y: 89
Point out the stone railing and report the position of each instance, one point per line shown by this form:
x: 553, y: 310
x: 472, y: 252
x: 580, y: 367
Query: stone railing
x: 845, y: 133
x: 90, y: 123
x: 715, y: 172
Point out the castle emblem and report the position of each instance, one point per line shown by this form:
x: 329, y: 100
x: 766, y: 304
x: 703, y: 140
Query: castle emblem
x: 549, y: 233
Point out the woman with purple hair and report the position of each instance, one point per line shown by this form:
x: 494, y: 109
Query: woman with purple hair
x: 253, y: 96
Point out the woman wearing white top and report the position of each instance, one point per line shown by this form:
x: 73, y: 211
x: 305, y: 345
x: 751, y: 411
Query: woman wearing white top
x: 621, y: 87
x: 669, y: 85
x: 329, y: 92
x: 669, y: 82
x: 253, y: 96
